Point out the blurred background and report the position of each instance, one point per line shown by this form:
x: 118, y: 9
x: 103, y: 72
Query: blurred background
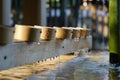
x: 92, y: 14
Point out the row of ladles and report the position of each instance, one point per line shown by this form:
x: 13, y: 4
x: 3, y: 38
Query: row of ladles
x: 26, y: 33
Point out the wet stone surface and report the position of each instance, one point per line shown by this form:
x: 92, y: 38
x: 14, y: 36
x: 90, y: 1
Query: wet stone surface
x: 93, y: 66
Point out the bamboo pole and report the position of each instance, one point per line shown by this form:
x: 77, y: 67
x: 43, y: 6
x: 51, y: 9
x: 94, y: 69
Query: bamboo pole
x: 114, y: 32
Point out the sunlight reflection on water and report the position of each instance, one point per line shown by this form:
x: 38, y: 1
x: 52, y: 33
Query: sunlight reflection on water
x: 86, y: 67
